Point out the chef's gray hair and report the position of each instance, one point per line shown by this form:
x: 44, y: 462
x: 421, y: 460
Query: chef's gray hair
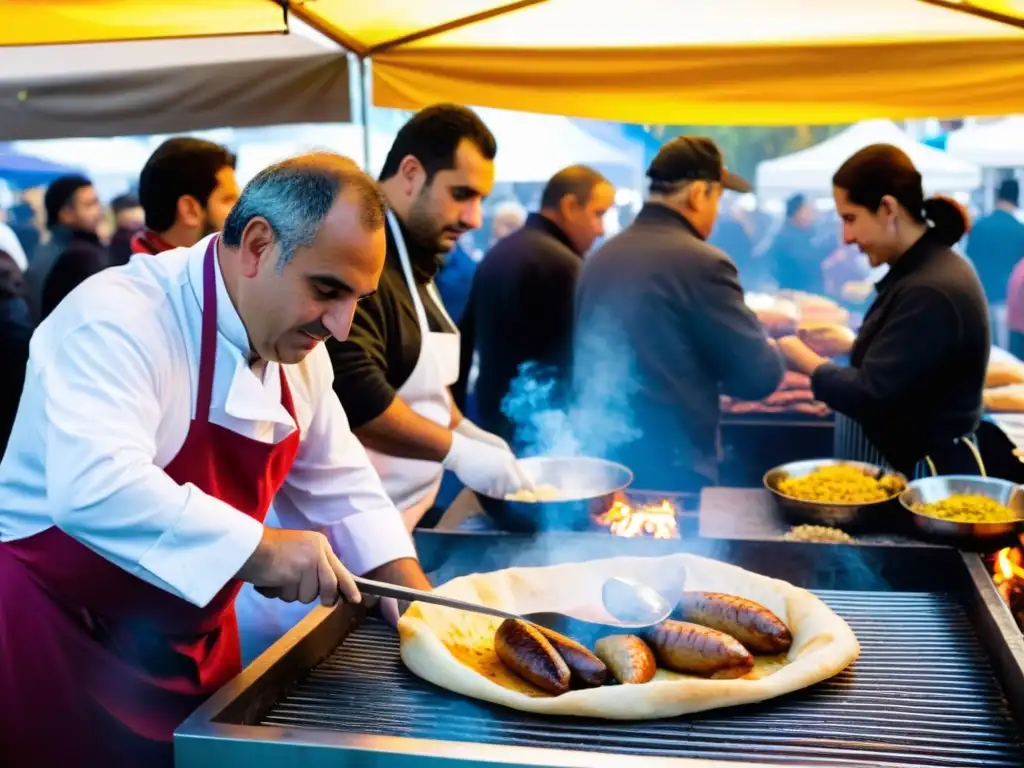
x: 295, y: 195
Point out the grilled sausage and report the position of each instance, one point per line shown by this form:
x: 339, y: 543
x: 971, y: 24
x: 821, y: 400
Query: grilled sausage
x: 586, y: 669
x: 523, y: 649
x: 697, y: 650
x: 760, y: 630
x: 628, y: 658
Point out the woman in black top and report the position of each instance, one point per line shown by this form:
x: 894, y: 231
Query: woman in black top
x: 917, y: 369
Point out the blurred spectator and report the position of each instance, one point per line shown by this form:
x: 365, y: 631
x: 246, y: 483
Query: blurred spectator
x: 186, y: 188
x: 995, y: 245
x: 11, y: 245
x: 23, y: 219
x: 508, y: 217
x: 129, y: 220
x: 797, y: 253
x: 15, y: 332
x: 455, y: 277
x: 734, y: 234
x: 73, y: 214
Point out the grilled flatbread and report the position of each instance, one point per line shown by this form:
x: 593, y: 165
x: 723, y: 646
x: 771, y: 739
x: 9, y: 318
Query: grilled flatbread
x: 455, y: 649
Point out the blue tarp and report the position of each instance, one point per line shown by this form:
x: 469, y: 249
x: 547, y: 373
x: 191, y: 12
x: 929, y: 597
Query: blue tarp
x: 28, y: 171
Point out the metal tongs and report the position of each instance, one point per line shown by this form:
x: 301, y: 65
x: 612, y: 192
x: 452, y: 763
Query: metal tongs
x: 631, y: 606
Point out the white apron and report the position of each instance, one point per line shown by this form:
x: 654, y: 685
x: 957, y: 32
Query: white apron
x: 412, y: 484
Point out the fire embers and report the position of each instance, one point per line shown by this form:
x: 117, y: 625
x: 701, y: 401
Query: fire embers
x: 654, y: 520
x: 1009, y: 579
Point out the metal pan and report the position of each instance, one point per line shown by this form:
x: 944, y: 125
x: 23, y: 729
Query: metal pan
x: 847, y: 516
x: 588, y: 487
x: 984, y: 536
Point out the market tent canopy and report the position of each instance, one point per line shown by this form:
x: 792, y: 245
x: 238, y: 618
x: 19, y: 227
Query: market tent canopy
x: 157, y: 86
x: 737, y: 62
x: 810, y: 170
x: 740, y: 62
x: 993, y: 145
x: 22, y: 170
x: 39, y: 22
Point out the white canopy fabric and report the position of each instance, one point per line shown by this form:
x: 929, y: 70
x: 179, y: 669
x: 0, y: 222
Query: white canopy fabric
x: 810, y: 170
x: 534, y: 147
x: 160, y: 86
x: 991, y: 145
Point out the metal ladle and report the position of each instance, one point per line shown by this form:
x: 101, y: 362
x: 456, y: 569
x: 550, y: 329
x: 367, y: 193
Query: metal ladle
x: 633, y: 606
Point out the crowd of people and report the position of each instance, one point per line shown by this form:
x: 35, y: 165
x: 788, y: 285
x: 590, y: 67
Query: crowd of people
x: 262, y: 400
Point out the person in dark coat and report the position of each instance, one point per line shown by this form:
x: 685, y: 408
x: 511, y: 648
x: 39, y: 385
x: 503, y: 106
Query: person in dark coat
x: 129, y: 219
x: 797, y: 254
x: 15, y: 332
x: 913, y: 388
x: 73, y: 215
x: 519, y: 316
x: 662, y: 330
x: 995, y: 246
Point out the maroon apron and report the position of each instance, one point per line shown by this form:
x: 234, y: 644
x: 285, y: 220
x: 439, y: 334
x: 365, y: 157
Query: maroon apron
x: 97, y: 666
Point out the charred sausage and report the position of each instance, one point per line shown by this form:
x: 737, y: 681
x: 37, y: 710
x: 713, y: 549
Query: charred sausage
x: 523, y: 649
x: 760, y: 630
x: 696, y: 650
x: 587, y: 671
x: 627, y: 657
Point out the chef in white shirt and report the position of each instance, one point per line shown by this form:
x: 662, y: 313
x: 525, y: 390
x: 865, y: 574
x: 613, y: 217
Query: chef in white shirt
x: 166, y: 403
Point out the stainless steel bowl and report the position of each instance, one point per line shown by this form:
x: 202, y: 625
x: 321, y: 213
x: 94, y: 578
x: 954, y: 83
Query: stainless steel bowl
x: 928, y: 490
x: 849, y: 516
x: 588, y: 487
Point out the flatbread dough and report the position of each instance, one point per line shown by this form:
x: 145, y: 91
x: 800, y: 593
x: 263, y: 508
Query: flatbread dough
x: 455, y: 649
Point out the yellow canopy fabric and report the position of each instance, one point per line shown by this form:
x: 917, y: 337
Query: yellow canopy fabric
x: 739, y: 62
x: 39, y: 22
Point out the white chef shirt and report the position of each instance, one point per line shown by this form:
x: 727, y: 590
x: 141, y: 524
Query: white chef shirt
x: 109, y: 394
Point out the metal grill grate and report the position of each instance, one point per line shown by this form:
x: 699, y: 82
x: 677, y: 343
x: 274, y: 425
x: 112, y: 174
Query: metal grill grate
x: 921, y: 694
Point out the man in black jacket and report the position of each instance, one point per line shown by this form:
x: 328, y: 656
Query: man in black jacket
x: 662, y: 329
x: 73, y: 215
x: 520, y: 307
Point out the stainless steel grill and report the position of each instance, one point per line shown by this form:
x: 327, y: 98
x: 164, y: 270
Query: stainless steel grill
x: 940, y: 680
x: 922, y: 694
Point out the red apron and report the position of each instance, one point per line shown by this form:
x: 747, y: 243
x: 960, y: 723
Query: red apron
x: 98, y: 667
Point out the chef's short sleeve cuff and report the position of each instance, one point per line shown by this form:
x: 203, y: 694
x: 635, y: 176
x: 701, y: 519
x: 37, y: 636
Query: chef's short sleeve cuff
x: 204, y: 550
x: 370, y: 539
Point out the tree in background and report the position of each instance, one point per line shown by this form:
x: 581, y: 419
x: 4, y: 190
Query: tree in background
x: 744, y: 147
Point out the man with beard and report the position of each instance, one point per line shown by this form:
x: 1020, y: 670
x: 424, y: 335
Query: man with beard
x: 186, y: 189
x: 393, y: 372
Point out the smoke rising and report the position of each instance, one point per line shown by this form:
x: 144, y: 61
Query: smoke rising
x: 590, y: 414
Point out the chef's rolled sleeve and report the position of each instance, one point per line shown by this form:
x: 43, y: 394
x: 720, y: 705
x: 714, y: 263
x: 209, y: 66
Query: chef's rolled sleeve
x: 333, y: 488
x: 360, y: 365
x: 729, y: 335
x: 912, y: 348
x: 102, y: 417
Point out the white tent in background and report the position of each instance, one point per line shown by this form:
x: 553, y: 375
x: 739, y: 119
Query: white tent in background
x: 810, y: 170
x: 534, y: 147
x: 993, y: 145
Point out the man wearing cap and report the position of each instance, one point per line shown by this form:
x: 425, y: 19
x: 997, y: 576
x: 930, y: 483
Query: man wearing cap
x: 664, y: 308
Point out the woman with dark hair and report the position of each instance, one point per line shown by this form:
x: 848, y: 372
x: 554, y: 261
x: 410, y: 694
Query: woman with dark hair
x: 912, y: 391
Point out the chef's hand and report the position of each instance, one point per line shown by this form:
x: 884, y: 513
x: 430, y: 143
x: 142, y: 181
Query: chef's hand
x: 473, y: 432
x: 483, y: 467
x: 799, y: 356
x: 298, y: 566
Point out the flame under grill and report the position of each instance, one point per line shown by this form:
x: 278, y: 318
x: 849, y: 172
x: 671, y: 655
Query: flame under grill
x: 922, y: 694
